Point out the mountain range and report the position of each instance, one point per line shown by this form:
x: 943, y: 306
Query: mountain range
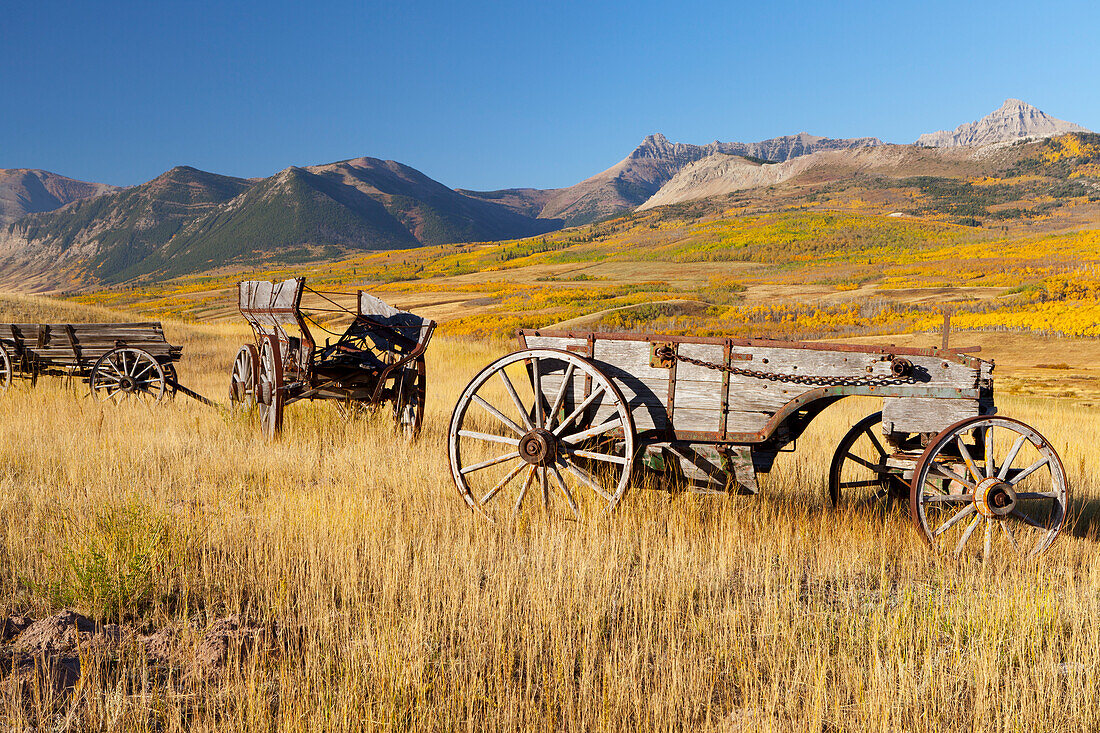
x: 59, y: 232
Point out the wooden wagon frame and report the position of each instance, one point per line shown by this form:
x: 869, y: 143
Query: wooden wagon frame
x: 378, y: 358
x: 598, y: 408
x: 116, y: 360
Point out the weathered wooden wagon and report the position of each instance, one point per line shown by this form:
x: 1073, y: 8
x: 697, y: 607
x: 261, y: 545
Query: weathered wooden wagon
x: 378, y: 358
x: 573, y: 417
x: 117, y: 360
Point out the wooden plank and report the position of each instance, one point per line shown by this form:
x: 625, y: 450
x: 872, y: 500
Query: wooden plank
x: 923, y: 414
x: 738, y: 421
x: 695, y: 420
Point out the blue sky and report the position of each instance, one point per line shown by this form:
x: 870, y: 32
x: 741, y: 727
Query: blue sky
x: 499, y: 94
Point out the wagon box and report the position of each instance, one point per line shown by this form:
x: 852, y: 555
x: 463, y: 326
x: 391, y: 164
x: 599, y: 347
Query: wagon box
x: 595, y: 410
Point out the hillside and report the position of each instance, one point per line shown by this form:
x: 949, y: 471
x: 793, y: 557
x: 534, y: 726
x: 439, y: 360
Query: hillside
x: 721, y: 174
x: 188, y: 221
x: 842, y: 249
x: 24, y: 191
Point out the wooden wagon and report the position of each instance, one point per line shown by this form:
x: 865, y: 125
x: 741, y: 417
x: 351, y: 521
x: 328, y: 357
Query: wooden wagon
x: 574, y: 417
x: 117, y: 360
x: 377, y: 359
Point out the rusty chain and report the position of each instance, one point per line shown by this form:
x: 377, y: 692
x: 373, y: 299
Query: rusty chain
x: 667, y: 353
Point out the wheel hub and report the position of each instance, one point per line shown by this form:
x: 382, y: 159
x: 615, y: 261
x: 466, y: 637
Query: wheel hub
x: 538, y: 447
x: 128, y: 384
x: 994, y: 498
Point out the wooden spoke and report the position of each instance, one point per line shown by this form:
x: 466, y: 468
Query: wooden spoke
x: 515, y: 399
x: 544, y: 482
x: 606, y: 457
x: 988, y: 464
x: 961, y: 514
x: 965, y: 453
x: 1029, y: 470
x: 586, y: 478
x: 503, y: 482
x: 1026, y: 519
x: 498, y: 415
x: 491, y: 462
x: 950, y: 498
x: 966, y: 534
x: 1037, y: 495
x: 988, y: 536
x: 1010, y: 534
x: 948, y: 473
x: 1012, y: 453
x: 565, y: 491
x: 537, y: 383
x: 489, y: 437
x: 596, y: 394
x: 875, y: 442
x: 566, y: 381
x: 593, y: 432
x: 861, y: 461
x: 523, y: 491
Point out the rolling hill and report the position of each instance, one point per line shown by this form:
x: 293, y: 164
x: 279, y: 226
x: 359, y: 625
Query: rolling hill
x: 188, y: 220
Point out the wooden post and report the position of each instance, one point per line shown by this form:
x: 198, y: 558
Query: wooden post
x: 946, y: 326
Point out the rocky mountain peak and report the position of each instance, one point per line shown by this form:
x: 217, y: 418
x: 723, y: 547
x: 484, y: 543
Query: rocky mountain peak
x: 1013, y: 120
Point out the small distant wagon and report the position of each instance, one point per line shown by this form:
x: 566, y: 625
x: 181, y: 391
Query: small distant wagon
x: 378, y: 359
x: 574, y: 418
x: 117, y: 360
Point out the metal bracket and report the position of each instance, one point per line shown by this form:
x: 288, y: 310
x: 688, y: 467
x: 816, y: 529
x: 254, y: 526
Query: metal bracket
x: 661, y: 362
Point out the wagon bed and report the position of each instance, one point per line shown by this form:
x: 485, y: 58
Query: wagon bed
x: 116, y: 359
x: 596, y: 409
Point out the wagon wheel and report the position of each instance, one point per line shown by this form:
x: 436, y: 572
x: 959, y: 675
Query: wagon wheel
x: 858, y: 475
x: 568, y: 444
x: 5, y: 369
x: 242, y: 382
x: 270, y: 397
x: 1006, y: 489
x: 124, y: 372
x: 408, y: 400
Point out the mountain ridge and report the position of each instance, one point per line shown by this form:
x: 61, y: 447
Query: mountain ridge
x: 1013, y: 120
x: 30, y: 190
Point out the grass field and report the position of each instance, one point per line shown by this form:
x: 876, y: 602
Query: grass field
x: 380, y: 602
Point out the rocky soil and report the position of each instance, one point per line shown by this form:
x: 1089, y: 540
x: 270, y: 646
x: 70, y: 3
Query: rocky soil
x: 48, y: 658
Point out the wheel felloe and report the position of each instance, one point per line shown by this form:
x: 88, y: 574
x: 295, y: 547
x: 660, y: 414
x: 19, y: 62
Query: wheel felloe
x: 5, y: 369
x: 541, y: 427
x: 244, y: 376
x: 859, y: 475
x: 989, y: 485
x: 270, y: 395
x: 126, y: 372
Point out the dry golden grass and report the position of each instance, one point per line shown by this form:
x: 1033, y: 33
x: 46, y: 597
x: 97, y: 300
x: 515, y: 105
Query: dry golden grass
x: 387, y: 604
